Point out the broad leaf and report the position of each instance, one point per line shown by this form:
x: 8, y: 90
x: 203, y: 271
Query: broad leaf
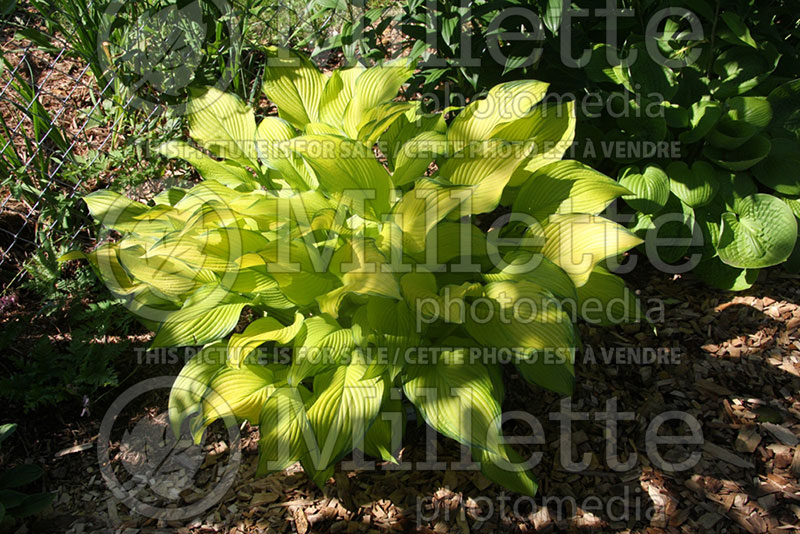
x: 259, y: 332
x: 566, y: 187
x: 223, y: 124
x: 294, y: 84
x: 761, y: 232
x: 455, y: 397
x: 695, y: 187
x: 578, y: 242
x: 649, y: 188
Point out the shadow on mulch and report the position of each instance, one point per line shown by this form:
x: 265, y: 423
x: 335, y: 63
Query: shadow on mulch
x: 730, y: 362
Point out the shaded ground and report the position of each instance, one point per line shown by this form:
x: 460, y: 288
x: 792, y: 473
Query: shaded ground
x: 733, y: 364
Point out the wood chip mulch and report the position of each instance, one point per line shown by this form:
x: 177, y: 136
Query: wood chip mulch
x: 731, y: 361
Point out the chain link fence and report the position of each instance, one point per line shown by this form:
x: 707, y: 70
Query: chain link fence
x: 88, y: 89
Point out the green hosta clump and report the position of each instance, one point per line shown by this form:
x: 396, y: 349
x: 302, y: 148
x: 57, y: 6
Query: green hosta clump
x: 347, y: 226
x: 725, y: 193
x: 733, y: 208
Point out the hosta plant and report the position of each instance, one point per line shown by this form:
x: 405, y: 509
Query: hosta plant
x: 719, y: 191
x: 692, y: 106
x: 353, y: 229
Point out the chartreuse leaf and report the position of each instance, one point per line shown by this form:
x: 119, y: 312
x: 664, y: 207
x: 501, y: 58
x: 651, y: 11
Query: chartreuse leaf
x: 695, y: 187
x: 286, y: 168
x: 361, y: 267
x: 454, y: 395
x: 285, y: 432
x: 337, y: 94
x: 240, y: 392
x: 210, y: 194
x: 781, y: 169
x: 307, y: 223
x: 605, y: 300
x: 374, y: 90
x: 320, y: 128
x: 524, y: 265
x: 386, y: 433
x: 527, y: 320
x: 413, y: 123
x: 422, y: 295
x: 226, y: 172
x: 170, y: 277
x: 578, y: 242
x: 271, y: 134
x: 189, y: 388
x: 414, y: 157
x: 390, y: 327
x: 422, y: 208
x: 566, y: 187
x: 216, y: 250
x: 223, y: 124
x: 504, y: 103
x: 320, y: 345
x: 382, y: 284
x: 105, y: 261
x: 760, y: 232
x: 345, y: 405
x: 259, y: 332
x: 107, y: 207
x: 380, y: 119
x: 455, y: 241
x: 486, y: 168
x: 551, y: 128
x: 294, y: 84
x: 117, y: 212
x: 649, y: 188
x: 295, y: 270
x: 508, y: 469
x: 347, y: 169
x: 210, y: 314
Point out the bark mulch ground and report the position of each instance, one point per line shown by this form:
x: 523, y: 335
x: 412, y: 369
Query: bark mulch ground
x: 730, y: 361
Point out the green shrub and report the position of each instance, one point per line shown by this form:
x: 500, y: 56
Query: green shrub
x: 731, y: 190
x: 15, y: 504
x: 348, y: 226
x: 728, y: 99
